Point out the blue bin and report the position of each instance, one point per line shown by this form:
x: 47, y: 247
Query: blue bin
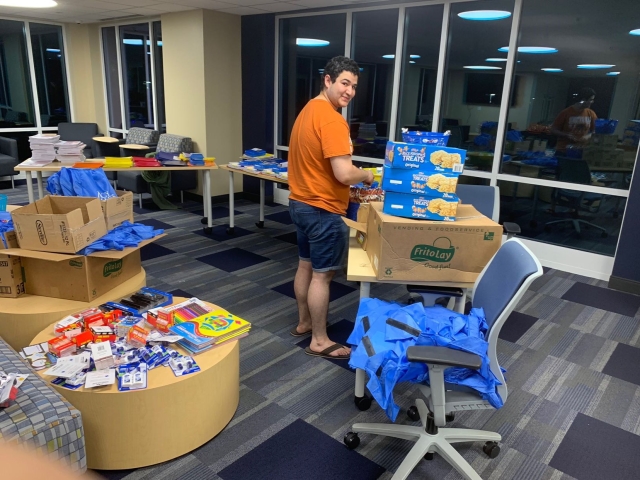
x: 3, y: 203
x: 606, y: 126
x: 352, y: 211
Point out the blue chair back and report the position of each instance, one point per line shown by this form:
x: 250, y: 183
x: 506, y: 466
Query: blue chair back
x: 501, y: 279
x: 484, y: 198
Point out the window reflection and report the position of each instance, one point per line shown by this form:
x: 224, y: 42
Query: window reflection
x: 159, y: 77
x: 16, y: 97
x: 48, y: 60
x: 474, y: 81
x: 373, y: 46
x: 419, y: 68
x: 301, y: 65
x: 109, y: 48
x: 136, y: 65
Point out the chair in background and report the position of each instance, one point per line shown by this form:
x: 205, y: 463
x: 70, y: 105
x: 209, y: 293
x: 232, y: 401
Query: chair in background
x: 83, y: 132
x: 576, y: 171
x: 485, y: 199
x: 8, y: 158
x: 497, y: 290
x: 180, y: 181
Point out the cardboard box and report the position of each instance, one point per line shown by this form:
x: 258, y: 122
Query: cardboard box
x: 412, y: 181
x: 539, y: 146
x: 8, y: 240
x: 78, y: 277
x: 59, y: 224
x: 118, y: 209
x: 420, y: 206
x: 604, y: 141
x: 514, y: 147
x: 425, y: 158
x: 413, y: 250
x: 11, y: 277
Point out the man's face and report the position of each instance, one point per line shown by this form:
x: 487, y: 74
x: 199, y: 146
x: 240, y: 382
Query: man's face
x: 342, y: 90
x: 588, y: 102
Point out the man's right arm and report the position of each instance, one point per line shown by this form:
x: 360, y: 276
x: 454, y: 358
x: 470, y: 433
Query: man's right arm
x: 347, y: 173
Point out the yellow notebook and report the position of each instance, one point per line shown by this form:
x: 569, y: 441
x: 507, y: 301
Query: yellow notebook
x: 213, y: 327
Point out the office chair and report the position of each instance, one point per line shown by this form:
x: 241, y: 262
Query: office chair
x: 576, y: 171
x: 486, y: 199
x: 497, y: 290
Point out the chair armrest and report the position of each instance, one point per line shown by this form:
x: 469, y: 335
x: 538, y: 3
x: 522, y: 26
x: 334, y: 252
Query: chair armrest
x: 443, y: 356
x: 9, y: 146
x: 510, y: 229
x: 444, y: 291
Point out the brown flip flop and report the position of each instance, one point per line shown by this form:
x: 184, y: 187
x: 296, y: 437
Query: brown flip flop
x: 294, y: 332
x: 326, y: 352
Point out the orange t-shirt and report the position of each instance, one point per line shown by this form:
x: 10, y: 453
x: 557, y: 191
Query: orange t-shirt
x: 318, y: 134
x: 576, y: 122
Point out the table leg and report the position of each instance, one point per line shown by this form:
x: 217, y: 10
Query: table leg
x: 29, y: 186
x: 230, y: 230
x: 361, y: 399
x: 206, y: 194
x: 260, y: 224
x: 40, y: 189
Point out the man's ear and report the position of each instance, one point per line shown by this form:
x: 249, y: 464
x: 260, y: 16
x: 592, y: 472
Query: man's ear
x: 327, y: 81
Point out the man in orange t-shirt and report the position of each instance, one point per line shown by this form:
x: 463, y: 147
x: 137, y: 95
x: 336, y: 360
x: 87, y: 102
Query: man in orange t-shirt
x: 575, y: 124
x: 320, y: 173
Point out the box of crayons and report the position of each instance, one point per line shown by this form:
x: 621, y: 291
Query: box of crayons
x: 165, y: 317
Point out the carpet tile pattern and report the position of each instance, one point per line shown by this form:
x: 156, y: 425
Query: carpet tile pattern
x: 571, y: 350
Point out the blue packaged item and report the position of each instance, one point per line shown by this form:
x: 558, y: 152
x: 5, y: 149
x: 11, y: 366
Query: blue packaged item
x: 482, y: 140
x: 124, y: 235
x: 132, y: 377
x: 80, y: 182
x: 255, y: 152
x: 384, y: 331
x: 433, y: 184
x: 514, y: 136
x: 606, y: 126
x: 420, y: 207
x: 426, y: 138
x: 425, y: 158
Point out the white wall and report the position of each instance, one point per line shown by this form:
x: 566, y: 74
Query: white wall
x: 623, y: 107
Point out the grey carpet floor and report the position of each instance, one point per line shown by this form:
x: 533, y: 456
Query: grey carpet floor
x: 571, y: 349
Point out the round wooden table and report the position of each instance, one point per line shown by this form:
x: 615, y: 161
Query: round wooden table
x: 171, y: 417
x: 23, y: 317
x: 106, y: 139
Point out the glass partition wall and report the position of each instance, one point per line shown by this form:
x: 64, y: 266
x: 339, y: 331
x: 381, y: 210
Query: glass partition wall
x: 506, y: 77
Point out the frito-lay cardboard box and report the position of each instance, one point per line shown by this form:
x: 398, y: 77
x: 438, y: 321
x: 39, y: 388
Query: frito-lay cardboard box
x: 11, y: 277
x: 418, y: 250
x: 59, y: 224
x: 118, y: 209
x: 78, y: 277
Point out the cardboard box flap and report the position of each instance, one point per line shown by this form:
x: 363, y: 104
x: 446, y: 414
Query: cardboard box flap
x: 360, y: 227
x: 70, y: 207
x: 53, y: 257
x: 116, y: 254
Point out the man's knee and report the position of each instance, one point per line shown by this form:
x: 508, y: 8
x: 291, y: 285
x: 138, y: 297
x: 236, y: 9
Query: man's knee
x: 324, y: 277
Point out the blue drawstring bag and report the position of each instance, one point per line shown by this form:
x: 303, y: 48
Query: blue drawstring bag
x: 124, y: 235
x: 482, y: 140
x: 514, y: 136
x: 80, y: 182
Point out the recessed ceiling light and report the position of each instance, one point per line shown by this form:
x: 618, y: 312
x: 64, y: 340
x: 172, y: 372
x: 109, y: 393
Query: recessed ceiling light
x: 613, y: 74
x: 531, y: 49
x: 388, y: 56
x: 132, y: 41
x: 551, y: 69
x: 311, y: 42
x: 484, y: 15
x: 53, y: 50
x: 411, y: 61
x: 594, y: 66
x: 635, y: 32
x: 28, y: 3
x: 481, y: 67
x: 495, y: 60
x: 414, y: 56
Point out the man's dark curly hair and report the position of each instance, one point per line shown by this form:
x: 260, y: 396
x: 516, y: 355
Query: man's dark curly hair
x: 340, y: 64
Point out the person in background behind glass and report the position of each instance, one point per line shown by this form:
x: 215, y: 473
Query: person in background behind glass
x: 575, y: 124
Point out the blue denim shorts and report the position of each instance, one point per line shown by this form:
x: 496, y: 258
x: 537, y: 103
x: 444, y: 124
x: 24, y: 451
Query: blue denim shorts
x: 323, y: 237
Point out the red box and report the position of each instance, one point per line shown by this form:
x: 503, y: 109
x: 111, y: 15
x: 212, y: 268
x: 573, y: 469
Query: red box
x: 95, y: 319
x: 82, y: 339
x: 162, y: 319
x: 104, y: 334
x: 137, y: 336
x: 61, y: 346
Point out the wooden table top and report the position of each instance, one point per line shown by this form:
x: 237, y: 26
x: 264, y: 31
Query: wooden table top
x: 56, y: 166
x: 262, y: 176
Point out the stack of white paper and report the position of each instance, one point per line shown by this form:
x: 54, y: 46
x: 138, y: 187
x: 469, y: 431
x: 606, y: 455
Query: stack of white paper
x: 70, y: 151
x: 43, y: 146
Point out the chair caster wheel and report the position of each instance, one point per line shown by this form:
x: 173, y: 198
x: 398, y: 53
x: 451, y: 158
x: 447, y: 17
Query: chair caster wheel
x: 428, y: 456
x: 351, y: 440
x: 208, y: 230
x: 413, y: 413
x: 363, y: 403
x: 260, y: 224
x: 231, y: 231
x: 450, y: 417
x: 204, y: 220
x: 491, y: 449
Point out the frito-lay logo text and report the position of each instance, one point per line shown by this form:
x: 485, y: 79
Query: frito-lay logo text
x: 76, y: 263
x: 41, y: 235
x: 111, y: 268
x: 440, y: 251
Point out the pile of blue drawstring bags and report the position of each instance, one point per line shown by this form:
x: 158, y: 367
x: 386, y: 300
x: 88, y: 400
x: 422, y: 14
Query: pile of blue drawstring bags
x: 383, y: 331
x: 85, y: 182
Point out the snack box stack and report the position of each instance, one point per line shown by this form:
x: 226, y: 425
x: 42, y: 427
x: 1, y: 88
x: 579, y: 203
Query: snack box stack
x: 420, y: 180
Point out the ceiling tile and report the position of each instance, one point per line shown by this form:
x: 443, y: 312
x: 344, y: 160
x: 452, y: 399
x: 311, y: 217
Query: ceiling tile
x: 135, y: 3
x: 171, y: 7
x: 279, y: 7
x: 146, y: 11
x: 207, y: 4
x: 248, y: 3
x: 317, y: 3
x: 242, y: 11
x: 100, y: 5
